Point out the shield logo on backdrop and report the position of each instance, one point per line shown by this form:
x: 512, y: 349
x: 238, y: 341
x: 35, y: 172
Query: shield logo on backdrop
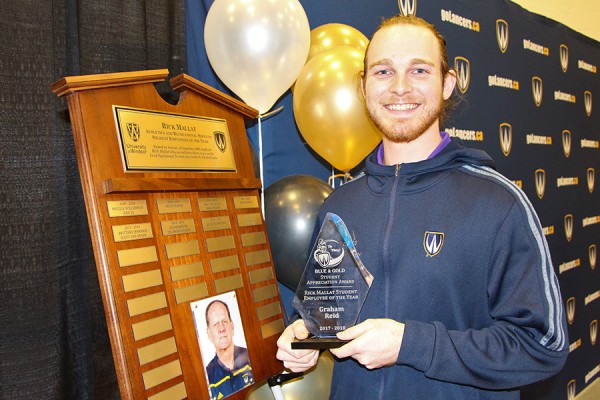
x: 570, y: 308
x: 571, y: 390
x: 569, y: 227
x: 587, y: 101
x: 502, y: 34
x: 537, y: 89
x: 133, y: 130
x: 462, y: 66
x: 407, y: 7
x: 505, y: 138
x: 592, y: 254
x: 593, y: 332
x: 220, y: 141
x: 591, y: 177
x: 540, y: 182
x: 566, y: 142
x: 564, y: 57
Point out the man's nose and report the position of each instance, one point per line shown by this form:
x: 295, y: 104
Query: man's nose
x: 400, y: 84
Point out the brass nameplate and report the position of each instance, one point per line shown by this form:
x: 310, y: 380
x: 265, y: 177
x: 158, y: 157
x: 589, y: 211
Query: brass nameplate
x: 212, y: 204
x: 228, y: 284
x: 253, y: 238
x: 152, y: 140
x: 142, y: 280
x: 161, y: 374
x: 241, y: 202
x: 261, y: 275
x: 272, y: 328
x: 140, y: 255
x: 224, y: 264
x: 216, y: 223
x: 126, y: 208
x: 191, y: 293
x: 265, y: 292
x: 177, y: 226
x: 157, y: 350
x: 169, y: 206
x: 249, y: 219
x: 268, y: 310
x: 186, y: 271
x: 124, y: 233
x: 182, y: 249
x: 257, y: 257
x: 176, y: 392
x: 144, y: 304
x: 220, y: 243
x: 151, y: 327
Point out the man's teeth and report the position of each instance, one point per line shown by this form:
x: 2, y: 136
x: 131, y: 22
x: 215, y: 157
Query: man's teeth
x: 402, y: 107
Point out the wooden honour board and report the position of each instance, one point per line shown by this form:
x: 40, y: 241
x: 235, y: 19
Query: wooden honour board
x: 164, y: 238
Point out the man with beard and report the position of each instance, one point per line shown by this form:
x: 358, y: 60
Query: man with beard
x: 465, y: 303
x: 230, y: 370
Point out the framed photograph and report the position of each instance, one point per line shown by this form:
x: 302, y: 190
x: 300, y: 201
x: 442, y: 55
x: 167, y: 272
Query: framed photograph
x: 222, y: 344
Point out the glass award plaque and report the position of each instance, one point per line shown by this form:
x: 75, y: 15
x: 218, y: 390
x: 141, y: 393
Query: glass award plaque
x: 333, y: 287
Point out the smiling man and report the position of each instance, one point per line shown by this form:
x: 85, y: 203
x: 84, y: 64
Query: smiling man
x: 465, y: 303
x: 230, y: 370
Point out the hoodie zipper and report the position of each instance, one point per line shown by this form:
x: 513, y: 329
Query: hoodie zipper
x: 386, y: 264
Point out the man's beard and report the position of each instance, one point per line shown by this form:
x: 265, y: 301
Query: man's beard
x: 405, y: 131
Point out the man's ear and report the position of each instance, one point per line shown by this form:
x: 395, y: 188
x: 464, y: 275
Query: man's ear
x: 449, y: 84
x: 361, y: 74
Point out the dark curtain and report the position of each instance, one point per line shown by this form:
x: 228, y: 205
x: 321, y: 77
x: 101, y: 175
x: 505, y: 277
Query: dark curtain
x: 53, y: 337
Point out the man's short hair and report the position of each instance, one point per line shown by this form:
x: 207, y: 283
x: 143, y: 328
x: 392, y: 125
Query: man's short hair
x: 210, y: 305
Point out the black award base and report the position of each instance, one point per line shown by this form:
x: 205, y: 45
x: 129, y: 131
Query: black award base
x: 314, y: 342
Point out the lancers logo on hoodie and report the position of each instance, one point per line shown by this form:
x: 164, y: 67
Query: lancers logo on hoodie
x: 433, y: 243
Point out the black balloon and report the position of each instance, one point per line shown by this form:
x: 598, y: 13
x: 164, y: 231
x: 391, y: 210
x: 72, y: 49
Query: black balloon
x: 291, y: 207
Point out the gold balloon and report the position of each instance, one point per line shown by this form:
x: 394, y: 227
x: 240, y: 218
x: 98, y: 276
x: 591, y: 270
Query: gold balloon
x: 330, y: 110
x: 314, y: 384
x: 329, y: 36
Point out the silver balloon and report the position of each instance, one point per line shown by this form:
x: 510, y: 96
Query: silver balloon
x: 291, y: 207
x: 257, y: 47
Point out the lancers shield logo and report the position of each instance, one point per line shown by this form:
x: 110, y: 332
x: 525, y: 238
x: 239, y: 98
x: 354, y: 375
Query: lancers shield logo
x: 506, y: 138
x: 220, y: 141
x: 564, y: 57
x: 569, y: 227
x: 433, y: 243
x: 329, y: 253
x: 502, y: 34
x: 462, y: 66
x: 133, y: 130
x: 571, y: 390
x: 592, y: 254
x: 566, y: 142
x: 407, y: 7
x: 591, y: 177
x: 540, y: 182
x: 570, y: 309
x: 587, y: 101
x: 537, y: 89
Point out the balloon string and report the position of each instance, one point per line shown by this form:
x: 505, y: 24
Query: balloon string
x: 261, y: 167
x: 331, y: 180
x: 271, y: 113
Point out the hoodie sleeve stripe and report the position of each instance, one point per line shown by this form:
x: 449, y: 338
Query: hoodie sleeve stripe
x: 554, y: 338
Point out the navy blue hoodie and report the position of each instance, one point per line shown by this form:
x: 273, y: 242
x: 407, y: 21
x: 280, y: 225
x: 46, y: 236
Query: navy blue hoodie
x: 459, y: 256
